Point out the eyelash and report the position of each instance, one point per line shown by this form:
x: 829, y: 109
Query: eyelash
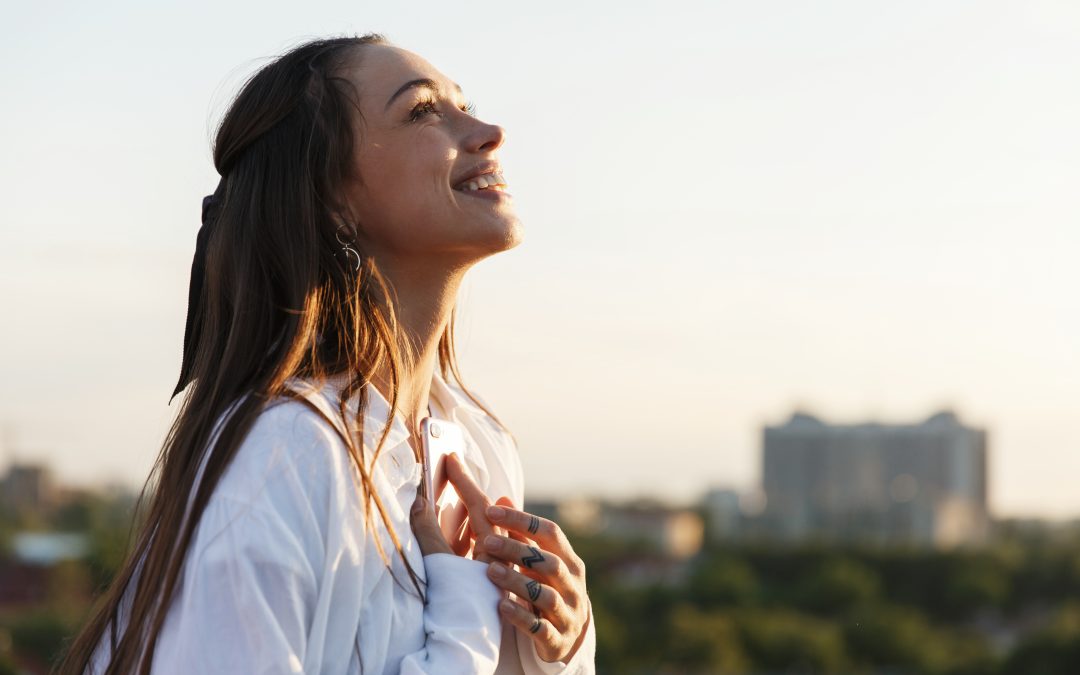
x: 429, y: 104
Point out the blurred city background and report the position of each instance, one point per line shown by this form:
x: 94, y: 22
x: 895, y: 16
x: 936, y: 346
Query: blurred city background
x: 790, y: 345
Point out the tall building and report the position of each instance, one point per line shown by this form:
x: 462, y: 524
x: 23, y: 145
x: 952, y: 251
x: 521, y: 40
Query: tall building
x: 921, y: 484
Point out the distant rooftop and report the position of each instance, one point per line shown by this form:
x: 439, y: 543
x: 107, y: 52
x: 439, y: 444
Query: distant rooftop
x: 803, y: 420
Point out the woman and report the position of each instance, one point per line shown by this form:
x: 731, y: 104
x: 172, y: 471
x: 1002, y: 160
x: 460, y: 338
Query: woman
x: 356, y: 191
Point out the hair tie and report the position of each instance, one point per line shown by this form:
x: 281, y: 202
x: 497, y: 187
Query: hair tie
x: 192, y: 331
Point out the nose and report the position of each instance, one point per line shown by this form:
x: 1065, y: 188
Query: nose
x: 485, y: 138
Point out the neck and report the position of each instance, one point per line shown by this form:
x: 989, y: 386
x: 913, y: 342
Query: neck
x: 426, y: 295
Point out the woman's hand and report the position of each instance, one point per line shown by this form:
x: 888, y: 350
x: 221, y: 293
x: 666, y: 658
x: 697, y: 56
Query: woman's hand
x: 425, y: 525
x: 551, y: 583
x: 554, y: 606
x: 425, y: 519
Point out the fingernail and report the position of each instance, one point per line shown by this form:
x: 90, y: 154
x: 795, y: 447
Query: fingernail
x: 492, y: 542
x: 496, y: 512
x: 497, y: 570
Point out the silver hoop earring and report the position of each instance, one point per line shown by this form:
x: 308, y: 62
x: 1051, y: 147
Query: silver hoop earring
x: 346, y: 248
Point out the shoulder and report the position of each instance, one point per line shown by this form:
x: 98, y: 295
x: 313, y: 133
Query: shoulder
x: 289, y: 432
x: 294, y: 432
x: 292, y: 460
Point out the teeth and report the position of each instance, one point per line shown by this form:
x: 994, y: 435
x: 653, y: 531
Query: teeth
x: 487, y: 181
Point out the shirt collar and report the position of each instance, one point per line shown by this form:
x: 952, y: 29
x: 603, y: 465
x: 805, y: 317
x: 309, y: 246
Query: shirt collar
x: 448, y: 401
x: 450, y: 397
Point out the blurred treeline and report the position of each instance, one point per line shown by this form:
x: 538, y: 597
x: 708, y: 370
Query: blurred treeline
x: 32, y: 638
x: 1012, y: 608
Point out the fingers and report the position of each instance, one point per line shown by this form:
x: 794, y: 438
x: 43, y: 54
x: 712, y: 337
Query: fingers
x: 505, y: 501
x: 474, y: 498
x: 440, y: 485
x: 545, y: 532
x: 550, y: 583
x: 465, y: 537
x: 462, y: 541
x: 546, y: 636
x: 452, y: 519
x: 541, y: 596
x: 534, y: 561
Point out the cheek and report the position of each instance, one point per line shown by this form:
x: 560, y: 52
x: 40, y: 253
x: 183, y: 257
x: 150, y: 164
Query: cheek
x: 406, y: 198
x: 389, y: 188
x: 407, y: 215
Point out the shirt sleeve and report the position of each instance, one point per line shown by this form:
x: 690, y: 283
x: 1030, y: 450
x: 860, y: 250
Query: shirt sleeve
x: 461, y: 619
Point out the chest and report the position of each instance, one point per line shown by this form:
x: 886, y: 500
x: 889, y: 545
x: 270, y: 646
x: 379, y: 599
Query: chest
x: 390, y: 618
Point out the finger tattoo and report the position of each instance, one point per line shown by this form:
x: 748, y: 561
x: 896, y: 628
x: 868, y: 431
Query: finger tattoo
x: 536, y: 622
x: 536, y: 557
x: 534, y: 589
x: 534, y: 524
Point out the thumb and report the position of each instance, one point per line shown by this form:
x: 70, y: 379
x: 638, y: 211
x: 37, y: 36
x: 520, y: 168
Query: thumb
x: 425, y: 525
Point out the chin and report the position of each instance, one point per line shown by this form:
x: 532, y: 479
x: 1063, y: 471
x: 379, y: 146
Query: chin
x: 515, y: 236
x: 511, y: 234
x: 497, y: 239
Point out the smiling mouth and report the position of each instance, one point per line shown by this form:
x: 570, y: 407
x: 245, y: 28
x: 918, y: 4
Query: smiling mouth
x: 493, y: 188
x: 494, y: 192
x: 487, y: 181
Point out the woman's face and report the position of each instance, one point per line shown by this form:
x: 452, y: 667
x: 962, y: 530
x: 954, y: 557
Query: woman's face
x: 415, y: 144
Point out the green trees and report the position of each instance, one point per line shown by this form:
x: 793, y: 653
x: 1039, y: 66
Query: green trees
x: 760, y: 609
x: 749, y: 610
x: 1052, y: 650
x: 37, y: 635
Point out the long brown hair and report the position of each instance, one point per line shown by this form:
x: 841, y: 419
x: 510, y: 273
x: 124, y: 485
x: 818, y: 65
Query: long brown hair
x: 278, y: 301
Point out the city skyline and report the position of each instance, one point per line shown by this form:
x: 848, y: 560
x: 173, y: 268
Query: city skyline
x: 752, y: 498
x: 731, y: 211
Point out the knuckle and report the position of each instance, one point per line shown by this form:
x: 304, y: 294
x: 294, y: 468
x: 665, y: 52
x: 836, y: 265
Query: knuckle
x: 561, y: 570
x: 576, y: 565
x: 554, y: 602
x: 550, y: 637
x: 559, y: 535
x: 478, y: 501
x: 551, y: 529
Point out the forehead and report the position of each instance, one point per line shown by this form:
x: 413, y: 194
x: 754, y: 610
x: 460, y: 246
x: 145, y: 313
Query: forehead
x: 383, y: 69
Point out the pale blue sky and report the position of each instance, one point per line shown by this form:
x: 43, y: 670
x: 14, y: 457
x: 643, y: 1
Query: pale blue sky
x: 867, y: 209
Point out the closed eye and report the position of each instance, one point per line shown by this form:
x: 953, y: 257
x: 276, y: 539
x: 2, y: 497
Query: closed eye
x: 428, y: 106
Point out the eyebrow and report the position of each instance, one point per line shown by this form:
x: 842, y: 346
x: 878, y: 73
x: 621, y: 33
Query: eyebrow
x: 425, y: 82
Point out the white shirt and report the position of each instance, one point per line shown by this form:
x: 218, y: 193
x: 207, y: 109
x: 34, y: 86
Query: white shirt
x: 283, y: 577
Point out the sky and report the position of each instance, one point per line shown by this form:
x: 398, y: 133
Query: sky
x: 866, y: 210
